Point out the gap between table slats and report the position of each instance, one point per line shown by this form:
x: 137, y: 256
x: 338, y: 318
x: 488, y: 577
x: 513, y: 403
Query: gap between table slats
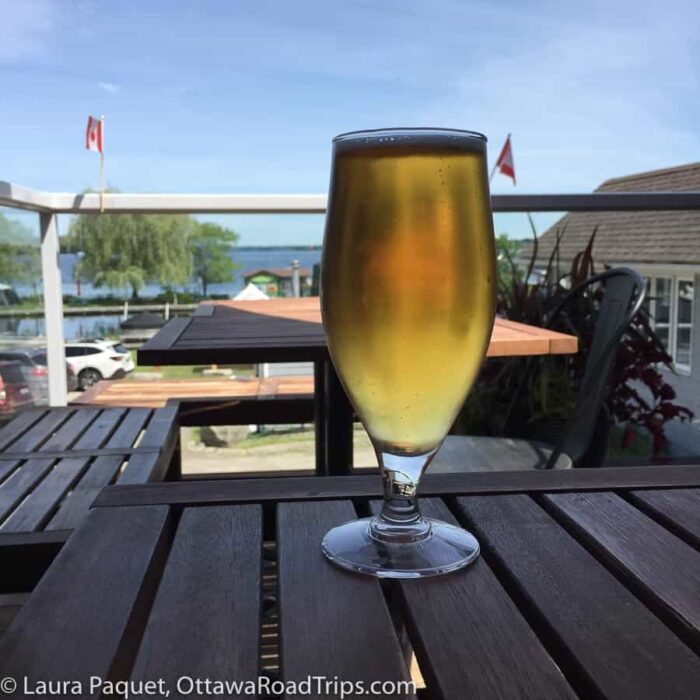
x: 678, y: 510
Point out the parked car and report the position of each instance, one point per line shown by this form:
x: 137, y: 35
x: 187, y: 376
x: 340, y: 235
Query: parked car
x: 15, y: 394
x: 36, y: 372
x: 98, y: 359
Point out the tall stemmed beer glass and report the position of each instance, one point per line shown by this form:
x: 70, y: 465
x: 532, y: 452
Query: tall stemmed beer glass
x: 408, y: 285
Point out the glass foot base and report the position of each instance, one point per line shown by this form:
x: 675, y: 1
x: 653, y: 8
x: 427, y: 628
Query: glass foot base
x: 445, y: 549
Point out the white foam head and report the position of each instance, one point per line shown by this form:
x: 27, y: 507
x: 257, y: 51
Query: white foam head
x: 447, y: 139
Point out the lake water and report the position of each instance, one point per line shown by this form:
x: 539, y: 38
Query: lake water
x: 75, y: 327
x: 247, y: 259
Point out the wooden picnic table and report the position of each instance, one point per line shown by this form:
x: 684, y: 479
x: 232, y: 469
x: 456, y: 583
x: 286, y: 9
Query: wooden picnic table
x: 587, y: 586
x: 290, y: 330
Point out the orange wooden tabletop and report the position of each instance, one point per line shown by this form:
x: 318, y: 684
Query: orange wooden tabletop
x: 509, y: 339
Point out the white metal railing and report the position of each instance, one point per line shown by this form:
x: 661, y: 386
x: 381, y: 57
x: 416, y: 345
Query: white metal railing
x: 50, y: 204
x: 119, y: 203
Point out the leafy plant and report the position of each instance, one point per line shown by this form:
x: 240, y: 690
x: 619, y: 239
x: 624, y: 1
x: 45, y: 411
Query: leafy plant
x: 639, y: 393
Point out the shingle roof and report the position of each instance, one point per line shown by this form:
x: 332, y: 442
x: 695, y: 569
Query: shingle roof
x: 629, y: 237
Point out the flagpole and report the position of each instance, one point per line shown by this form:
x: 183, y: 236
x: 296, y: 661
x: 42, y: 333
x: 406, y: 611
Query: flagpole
x: 529, y: 216
x: 495, y: 165
x: 102, y: 165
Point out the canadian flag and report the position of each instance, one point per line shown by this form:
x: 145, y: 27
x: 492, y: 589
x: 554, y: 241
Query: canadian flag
x: 505, y: 163
x: 93, y: 135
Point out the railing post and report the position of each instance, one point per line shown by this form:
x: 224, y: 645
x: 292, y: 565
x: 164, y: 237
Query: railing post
x: 53, y: 309
x: 296, y: 281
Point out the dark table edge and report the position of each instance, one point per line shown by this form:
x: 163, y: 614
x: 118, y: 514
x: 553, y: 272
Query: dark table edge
x: 238, y: 490
x: 231, y: 356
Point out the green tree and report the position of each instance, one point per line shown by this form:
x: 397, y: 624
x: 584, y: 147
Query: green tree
x: 132, y: 250
x: 19, y: 254
x: 507, y: 251
x: 211, y: 255
x: 15, y: 232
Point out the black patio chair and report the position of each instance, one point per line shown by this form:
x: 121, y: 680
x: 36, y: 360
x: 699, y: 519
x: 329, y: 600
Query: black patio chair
x: 623, y: 296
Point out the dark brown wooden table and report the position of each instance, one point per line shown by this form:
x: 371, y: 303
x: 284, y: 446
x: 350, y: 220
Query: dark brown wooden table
x: 290, y: 330
x: 54, y: 462
x: 588, y: 586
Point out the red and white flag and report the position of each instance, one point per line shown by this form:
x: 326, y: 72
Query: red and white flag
x: 505, y: 163
x: 93, y: 135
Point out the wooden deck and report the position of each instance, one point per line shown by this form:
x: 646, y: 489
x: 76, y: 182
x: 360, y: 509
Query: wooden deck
x: 155, y: 393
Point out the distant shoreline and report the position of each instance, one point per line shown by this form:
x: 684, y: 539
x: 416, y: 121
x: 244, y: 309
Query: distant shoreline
x: 233, y: 247
x: 277, y: 247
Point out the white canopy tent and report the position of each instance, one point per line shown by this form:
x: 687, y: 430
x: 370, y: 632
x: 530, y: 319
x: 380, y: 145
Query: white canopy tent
x: 250, y: 293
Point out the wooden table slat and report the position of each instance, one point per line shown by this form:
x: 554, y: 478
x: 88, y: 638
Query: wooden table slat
x: 205, y: 621
x: 368, y: 486
x: 19, y: 425
x: 7, y: 466
x: 86, y: 614
x: 101, y: 472
x: 204, y: 309
x: 101, y: 429
x: 41, y: 430
x: 676, y: 509
x: 162, y: 432
x: 664, y: 569
x: 607, y: 641
x: 469, y: 637
x: 68, y: 433
x: 332, y: 623
x: 33, y: 513
x: 168, y: 334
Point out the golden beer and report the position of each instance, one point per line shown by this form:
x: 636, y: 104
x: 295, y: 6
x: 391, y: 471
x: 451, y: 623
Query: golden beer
x: 409, y: 280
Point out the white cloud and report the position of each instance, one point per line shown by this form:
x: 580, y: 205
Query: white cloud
x: 25, y: 26
x: 109, y: 87
x: 587, y: 99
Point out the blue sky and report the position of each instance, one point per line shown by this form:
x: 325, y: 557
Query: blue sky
x: 221, y: 96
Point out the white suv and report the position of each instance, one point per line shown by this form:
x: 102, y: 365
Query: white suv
x: 98, y: 359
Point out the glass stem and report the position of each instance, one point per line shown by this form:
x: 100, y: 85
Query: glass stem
x: 400, y: 520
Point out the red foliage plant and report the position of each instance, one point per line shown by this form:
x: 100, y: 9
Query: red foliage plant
x: 639, y: 395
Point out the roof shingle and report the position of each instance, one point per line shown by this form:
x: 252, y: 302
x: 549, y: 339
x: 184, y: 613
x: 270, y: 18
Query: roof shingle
x: 633, y: 237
